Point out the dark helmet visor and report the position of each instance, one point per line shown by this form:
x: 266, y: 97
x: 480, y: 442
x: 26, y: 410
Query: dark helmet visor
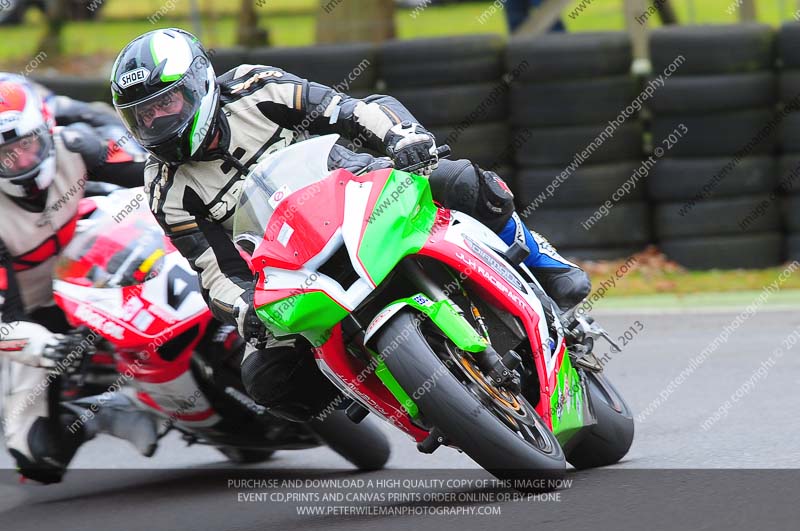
x: 24, y: 154
x: 167, y: 113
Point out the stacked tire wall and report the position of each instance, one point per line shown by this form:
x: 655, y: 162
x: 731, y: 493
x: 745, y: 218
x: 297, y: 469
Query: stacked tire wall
x: 716, y: 117
x: 575, y: 86
x: 727, y: 194
x: 788, y: 188
x: 454, y: 87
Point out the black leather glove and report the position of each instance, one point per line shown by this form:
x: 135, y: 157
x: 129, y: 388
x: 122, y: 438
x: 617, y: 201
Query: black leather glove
x: 250, y: 327
x: 66, y: 351
x: 409, y: 144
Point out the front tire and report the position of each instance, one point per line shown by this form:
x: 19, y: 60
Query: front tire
x: 610, y: 439
x: 466, y: 422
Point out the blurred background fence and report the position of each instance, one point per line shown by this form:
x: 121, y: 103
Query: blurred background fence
x: 707, y: 167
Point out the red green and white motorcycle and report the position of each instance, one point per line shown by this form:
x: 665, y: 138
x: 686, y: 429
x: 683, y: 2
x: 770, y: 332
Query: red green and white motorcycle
x: 424, y: 317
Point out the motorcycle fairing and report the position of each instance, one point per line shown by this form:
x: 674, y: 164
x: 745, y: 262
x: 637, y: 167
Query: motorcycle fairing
x: 138, y: 319
x: 386, y: 216
x: 376, y: 231
x: 352, y: 375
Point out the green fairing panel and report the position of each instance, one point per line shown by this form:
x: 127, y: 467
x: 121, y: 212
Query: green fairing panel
x: 311, y: 314
x: 382, y: 371
x: 449, y: 321
x: 569, y: 397
x: 399, y: 225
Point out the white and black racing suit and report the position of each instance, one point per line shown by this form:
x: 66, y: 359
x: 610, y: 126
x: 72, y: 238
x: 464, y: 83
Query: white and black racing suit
x: 32, y: 236
x: 264, y: 109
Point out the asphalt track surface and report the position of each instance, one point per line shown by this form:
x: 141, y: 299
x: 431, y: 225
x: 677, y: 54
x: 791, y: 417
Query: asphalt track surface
x: 679, y: 473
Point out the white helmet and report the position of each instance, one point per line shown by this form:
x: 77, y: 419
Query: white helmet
x: 27, y: 153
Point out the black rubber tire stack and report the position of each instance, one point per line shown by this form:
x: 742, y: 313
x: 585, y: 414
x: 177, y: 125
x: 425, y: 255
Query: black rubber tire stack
x: 707, y: 187
x: 572, y: 87
x: 454, y: 88
x: 790, y: 186
x: 789, y: 94
x: 348, y: 68
x: 82, y: 89
x: 332, y: 65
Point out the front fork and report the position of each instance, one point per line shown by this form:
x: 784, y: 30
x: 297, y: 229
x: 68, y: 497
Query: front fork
x: 566, y: 421
x: 501, y: 369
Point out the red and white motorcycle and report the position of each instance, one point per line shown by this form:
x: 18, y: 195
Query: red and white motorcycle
x: 122, y: 280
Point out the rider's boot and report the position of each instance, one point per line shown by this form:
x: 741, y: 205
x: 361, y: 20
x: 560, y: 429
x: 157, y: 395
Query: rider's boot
x: 118, y: 415
x: 35, y: 426
x: 564, y: 281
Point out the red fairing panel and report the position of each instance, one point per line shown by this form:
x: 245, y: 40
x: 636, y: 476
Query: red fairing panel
x: 490, y: 285
x: 138, y: 349
x: 361, y: 378
x: 313, y: 213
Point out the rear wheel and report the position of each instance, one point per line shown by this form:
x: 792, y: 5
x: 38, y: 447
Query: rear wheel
x: 610, y: 439
x: 246, y: 456
x: 363, y: 444
x: 504, y: 435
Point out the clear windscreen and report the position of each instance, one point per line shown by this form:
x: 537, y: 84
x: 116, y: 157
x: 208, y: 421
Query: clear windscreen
x: 272, y: 181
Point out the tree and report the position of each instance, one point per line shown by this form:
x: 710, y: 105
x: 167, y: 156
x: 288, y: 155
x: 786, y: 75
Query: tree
x: 355, y: 21
x: 249, y: 34
x: 55, y: 14
x: 666, y: 12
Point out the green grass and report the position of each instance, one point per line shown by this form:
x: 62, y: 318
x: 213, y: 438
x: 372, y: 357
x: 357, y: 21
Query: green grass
x: 292, y: 23
x: 125, y: 9
x: 653, y: 281
x: 785, y: 299
x: 606, y: 15
x: 288, y: 24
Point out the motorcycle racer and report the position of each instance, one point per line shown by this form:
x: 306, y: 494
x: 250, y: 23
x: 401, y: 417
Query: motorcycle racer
x: 204, y: 133
x: 43, y: 172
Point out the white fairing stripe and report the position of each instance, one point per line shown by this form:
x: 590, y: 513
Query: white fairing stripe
x: 307, y: 278
x: 356, y: 199
x: 330, y: 248
x: 382, y: 318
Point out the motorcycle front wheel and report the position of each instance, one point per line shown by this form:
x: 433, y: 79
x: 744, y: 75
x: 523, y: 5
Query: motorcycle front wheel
x: 453, y: 406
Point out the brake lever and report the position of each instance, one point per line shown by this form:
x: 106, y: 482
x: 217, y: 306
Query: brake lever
x: 614, y: 347
x: 590, y: 328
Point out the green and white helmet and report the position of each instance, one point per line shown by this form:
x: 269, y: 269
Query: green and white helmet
x: 165, y: 90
